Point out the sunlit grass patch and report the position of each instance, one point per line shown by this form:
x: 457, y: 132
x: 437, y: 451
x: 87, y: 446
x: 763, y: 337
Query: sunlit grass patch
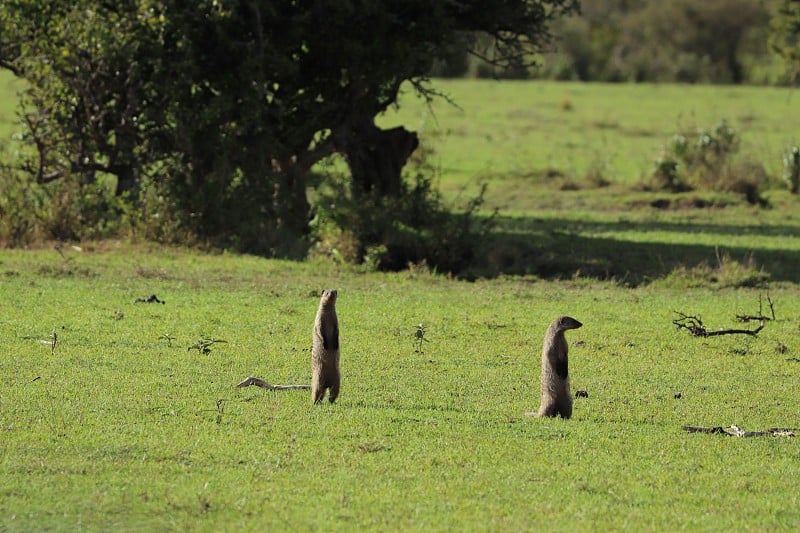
x: 124, y: 425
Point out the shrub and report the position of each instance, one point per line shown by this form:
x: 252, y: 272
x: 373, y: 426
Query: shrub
x: 20, y: 209
x: 706, y: 158
x: 391, y: 233
x: 728, y: 272
x: 666, y: 175
x: 65, y: 209
x: 83, y: 211
x: 791, y: 168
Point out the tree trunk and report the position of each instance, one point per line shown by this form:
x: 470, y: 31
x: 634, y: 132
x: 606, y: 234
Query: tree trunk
x: 126, y: 180
x: 376, y: 157
x: 734, y: 66
x: 294, y: 213
x: 289, y: 201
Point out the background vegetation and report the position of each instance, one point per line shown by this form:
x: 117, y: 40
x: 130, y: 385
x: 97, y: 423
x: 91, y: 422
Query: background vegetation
x: 195, y: 128
x: 208, y: 118
x: 715, y: 41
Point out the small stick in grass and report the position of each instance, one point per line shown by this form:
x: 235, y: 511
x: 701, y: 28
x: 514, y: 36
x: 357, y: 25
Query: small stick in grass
x: 258, y: 382
x: 736, y: 431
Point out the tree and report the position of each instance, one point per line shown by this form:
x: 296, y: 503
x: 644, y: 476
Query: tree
x: 224, y: 105
x: 93, y: 102
x: 785, y: 36
x: 690, y: 41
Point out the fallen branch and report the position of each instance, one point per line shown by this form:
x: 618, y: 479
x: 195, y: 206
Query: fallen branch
x: 760, y: 316
x: 736, y: 431
x: 258, y: 382
x: 695, y: 326
x: 152, y: 299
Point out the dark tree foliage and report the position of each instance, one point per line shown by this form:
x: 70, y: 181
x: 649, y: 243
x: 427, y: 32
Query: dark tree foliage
x: 223, y: 106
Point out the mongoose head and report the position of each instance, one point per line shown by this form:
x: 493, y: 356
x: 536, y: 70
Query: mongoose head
x: 328, y: 297
x: 563, y: 323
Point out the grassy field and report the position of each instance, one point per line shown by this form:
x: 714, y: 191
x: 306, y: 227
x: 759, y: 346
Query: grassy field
x: 527, y: 130
x: 525, y: 140
x: 124, y: 426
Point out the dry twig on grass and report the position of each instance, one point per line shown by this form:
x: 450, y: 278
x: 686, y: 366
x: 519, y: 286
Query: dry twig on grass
x: 695, y: 326
x: 736, y: 431
x: 760, y: 316
x: 258, y: 382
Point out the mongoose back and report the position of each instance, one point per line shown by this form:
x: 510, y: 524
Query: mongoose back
x: 325, y: 350
x: 556, y: 400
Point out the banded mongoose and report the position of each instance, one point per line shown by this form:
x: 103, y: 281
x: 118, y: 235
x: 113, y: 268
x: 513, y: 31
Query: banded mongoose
x: 325, y: 350
x: 556, y: 399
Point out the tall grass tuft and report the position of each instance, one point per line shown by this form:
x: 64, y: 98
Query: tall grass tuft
x: 727, y: 273
x: 791, y: 168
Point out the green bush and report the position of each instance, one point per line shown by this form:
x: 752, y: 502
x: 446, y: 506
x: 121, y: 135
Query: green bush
x: 666, y: 173
x: 64, y: 209
x: 707, y: 159
x: 791, y: 168
x: 20, y: 209
x: 391, y: 233
x: 83, y: 211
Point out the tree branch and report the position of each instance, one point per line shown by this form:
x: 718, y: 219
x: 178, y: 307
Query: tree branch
x: 736, y: 431
x: 694, y: 324
x: 11, y: 67
x: 258, y: 382
x: 760, y: 316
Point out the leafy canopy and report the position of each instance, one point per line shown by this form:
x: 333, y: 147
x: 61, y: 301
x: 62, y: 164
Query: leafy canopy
x: 224, y: 105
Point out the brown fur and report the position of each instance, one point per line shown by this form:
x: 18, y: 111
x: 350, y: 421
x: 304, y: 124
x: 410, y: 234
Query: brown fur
x: 325, y: 350
x: 556, y: 400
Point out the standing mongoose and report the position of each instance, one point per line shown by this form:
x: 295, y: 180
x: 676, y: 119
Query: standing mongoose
x: 325, y: 350
x: 556, y: 399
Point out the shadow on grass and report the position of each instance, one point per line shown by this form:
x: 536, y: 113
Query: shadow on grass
x: 562, y: 248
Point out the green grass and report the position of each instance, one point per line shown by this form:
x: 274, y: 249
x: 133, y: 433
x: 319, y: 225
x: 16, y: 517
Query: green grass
x: 511, y: 133
x: 642, y: 244
x: 120, y: 428
x: 521, y: 140
x: 124, y: 427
